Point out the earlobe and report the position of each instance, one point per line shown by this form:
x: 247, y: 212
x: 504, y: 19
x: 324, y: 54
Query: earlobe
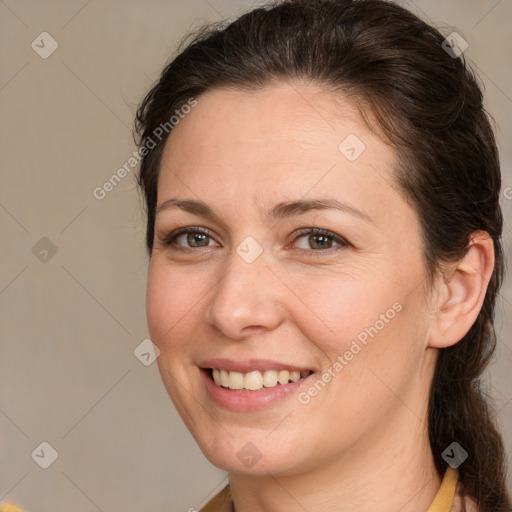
x: 461, y: 292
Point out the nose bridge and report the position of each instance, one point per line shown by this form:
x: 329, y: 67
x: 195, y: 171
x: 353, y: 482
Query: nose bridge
x: 246, y: 294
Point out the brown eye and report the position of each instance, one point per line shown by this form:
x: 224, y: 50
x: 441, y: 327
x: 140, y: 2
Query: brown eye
x: 321, y: 241
x: 195, y: 239
x: 192, y: 237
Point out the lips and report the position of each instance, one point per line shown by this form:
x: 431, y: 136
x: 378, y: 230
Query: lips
x: 258, y: 398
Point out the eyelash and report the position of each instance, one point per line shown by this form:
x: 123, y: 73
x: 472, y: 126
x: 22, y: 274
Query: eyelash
x: 169, y: 240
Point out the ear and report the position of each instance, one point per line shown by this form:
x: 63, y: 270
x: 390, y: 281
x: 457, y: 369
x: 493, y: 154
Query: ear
x: 461, y: 292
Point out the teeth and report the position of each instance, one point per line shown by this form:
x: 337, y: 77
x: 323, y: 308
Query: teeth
x: 224, y: 378
x: 270, y: 378
x: 253, y: 381
x: 283, y: 377
x: 256, y: 380
x: 294, y: 376
x: 235, y: 380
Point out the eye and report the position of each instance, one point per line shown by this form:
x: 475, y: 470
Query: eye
x: 195, y: 237
x: 321, y: 241
x: 318, y: 241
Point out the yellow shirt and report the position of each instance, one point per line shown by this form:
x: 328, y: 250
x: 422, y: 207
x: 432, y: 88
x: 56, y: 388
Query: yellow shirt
x: 448, y: 498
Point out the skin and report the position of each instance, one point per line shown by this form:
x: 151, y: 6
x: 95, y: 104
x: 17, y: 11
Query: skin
x: 361, y: 443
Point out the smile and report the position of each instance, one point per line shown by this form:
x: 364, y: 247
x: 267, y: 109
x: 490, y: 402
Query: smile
x: 246, y: 384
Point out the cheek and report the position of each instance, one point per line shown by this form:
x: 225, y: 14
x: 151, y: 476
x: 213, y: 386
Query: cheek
x: 335, y: 310
x: 169, y: 301
x: 364, y: 330
x: 157, y: 306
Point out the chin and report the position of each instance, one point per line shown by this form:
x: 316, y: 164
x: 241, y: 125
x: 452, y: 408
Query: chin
x: 252, y: 454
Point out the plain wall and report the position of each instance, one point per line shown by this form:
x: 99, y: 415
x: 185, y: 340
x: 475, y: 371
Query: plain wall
x: 70, y: 321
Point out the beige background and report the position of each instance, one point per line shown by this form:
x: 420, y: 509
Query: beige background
x: 70, y: 324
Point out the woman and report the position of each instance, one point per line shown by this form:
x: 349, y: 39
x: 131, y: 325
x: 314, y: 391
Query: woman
x: 322, y: 188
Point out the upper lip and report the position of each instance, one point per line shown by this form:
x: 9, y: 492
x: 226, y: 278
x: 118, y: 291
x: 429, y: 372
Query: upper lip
x: 248, y: 365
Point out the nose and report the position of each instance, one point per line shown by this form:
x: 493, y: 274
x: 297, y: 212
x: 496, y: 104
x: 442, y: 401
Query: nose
x: 247, y: 299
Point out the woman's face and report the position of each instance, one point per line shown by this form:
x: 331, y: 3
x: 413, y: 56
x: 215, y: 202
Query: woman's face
x: 251, y: 290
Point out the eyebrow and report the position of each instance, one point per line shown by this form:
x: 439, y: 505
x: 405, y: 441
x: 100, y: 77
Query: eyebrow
x: 279, y: 211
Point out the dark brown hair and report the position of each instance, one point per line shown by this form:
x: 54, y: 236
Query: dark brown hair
x: 428, y: 105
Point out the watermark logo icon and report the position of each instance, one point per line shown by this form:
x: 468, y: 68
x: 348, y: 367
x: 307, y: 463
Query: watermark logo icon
x: 44, y: 250
x: 146, y: 352
x: 249, y: 249
x: 454, y: 455
x: 351, y: 147
x: 249, y: 454
x: 45, y: 455
x: 44, y: 45
x: 455, y: 45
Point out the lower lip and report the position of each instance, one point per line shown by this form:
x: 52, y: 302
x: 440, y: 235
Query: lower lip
x: 242, y: 401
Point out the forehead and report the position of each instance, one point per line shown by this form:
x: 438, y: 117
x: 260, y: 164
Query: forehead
x: 282, y: 111
x: 282, y: 129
